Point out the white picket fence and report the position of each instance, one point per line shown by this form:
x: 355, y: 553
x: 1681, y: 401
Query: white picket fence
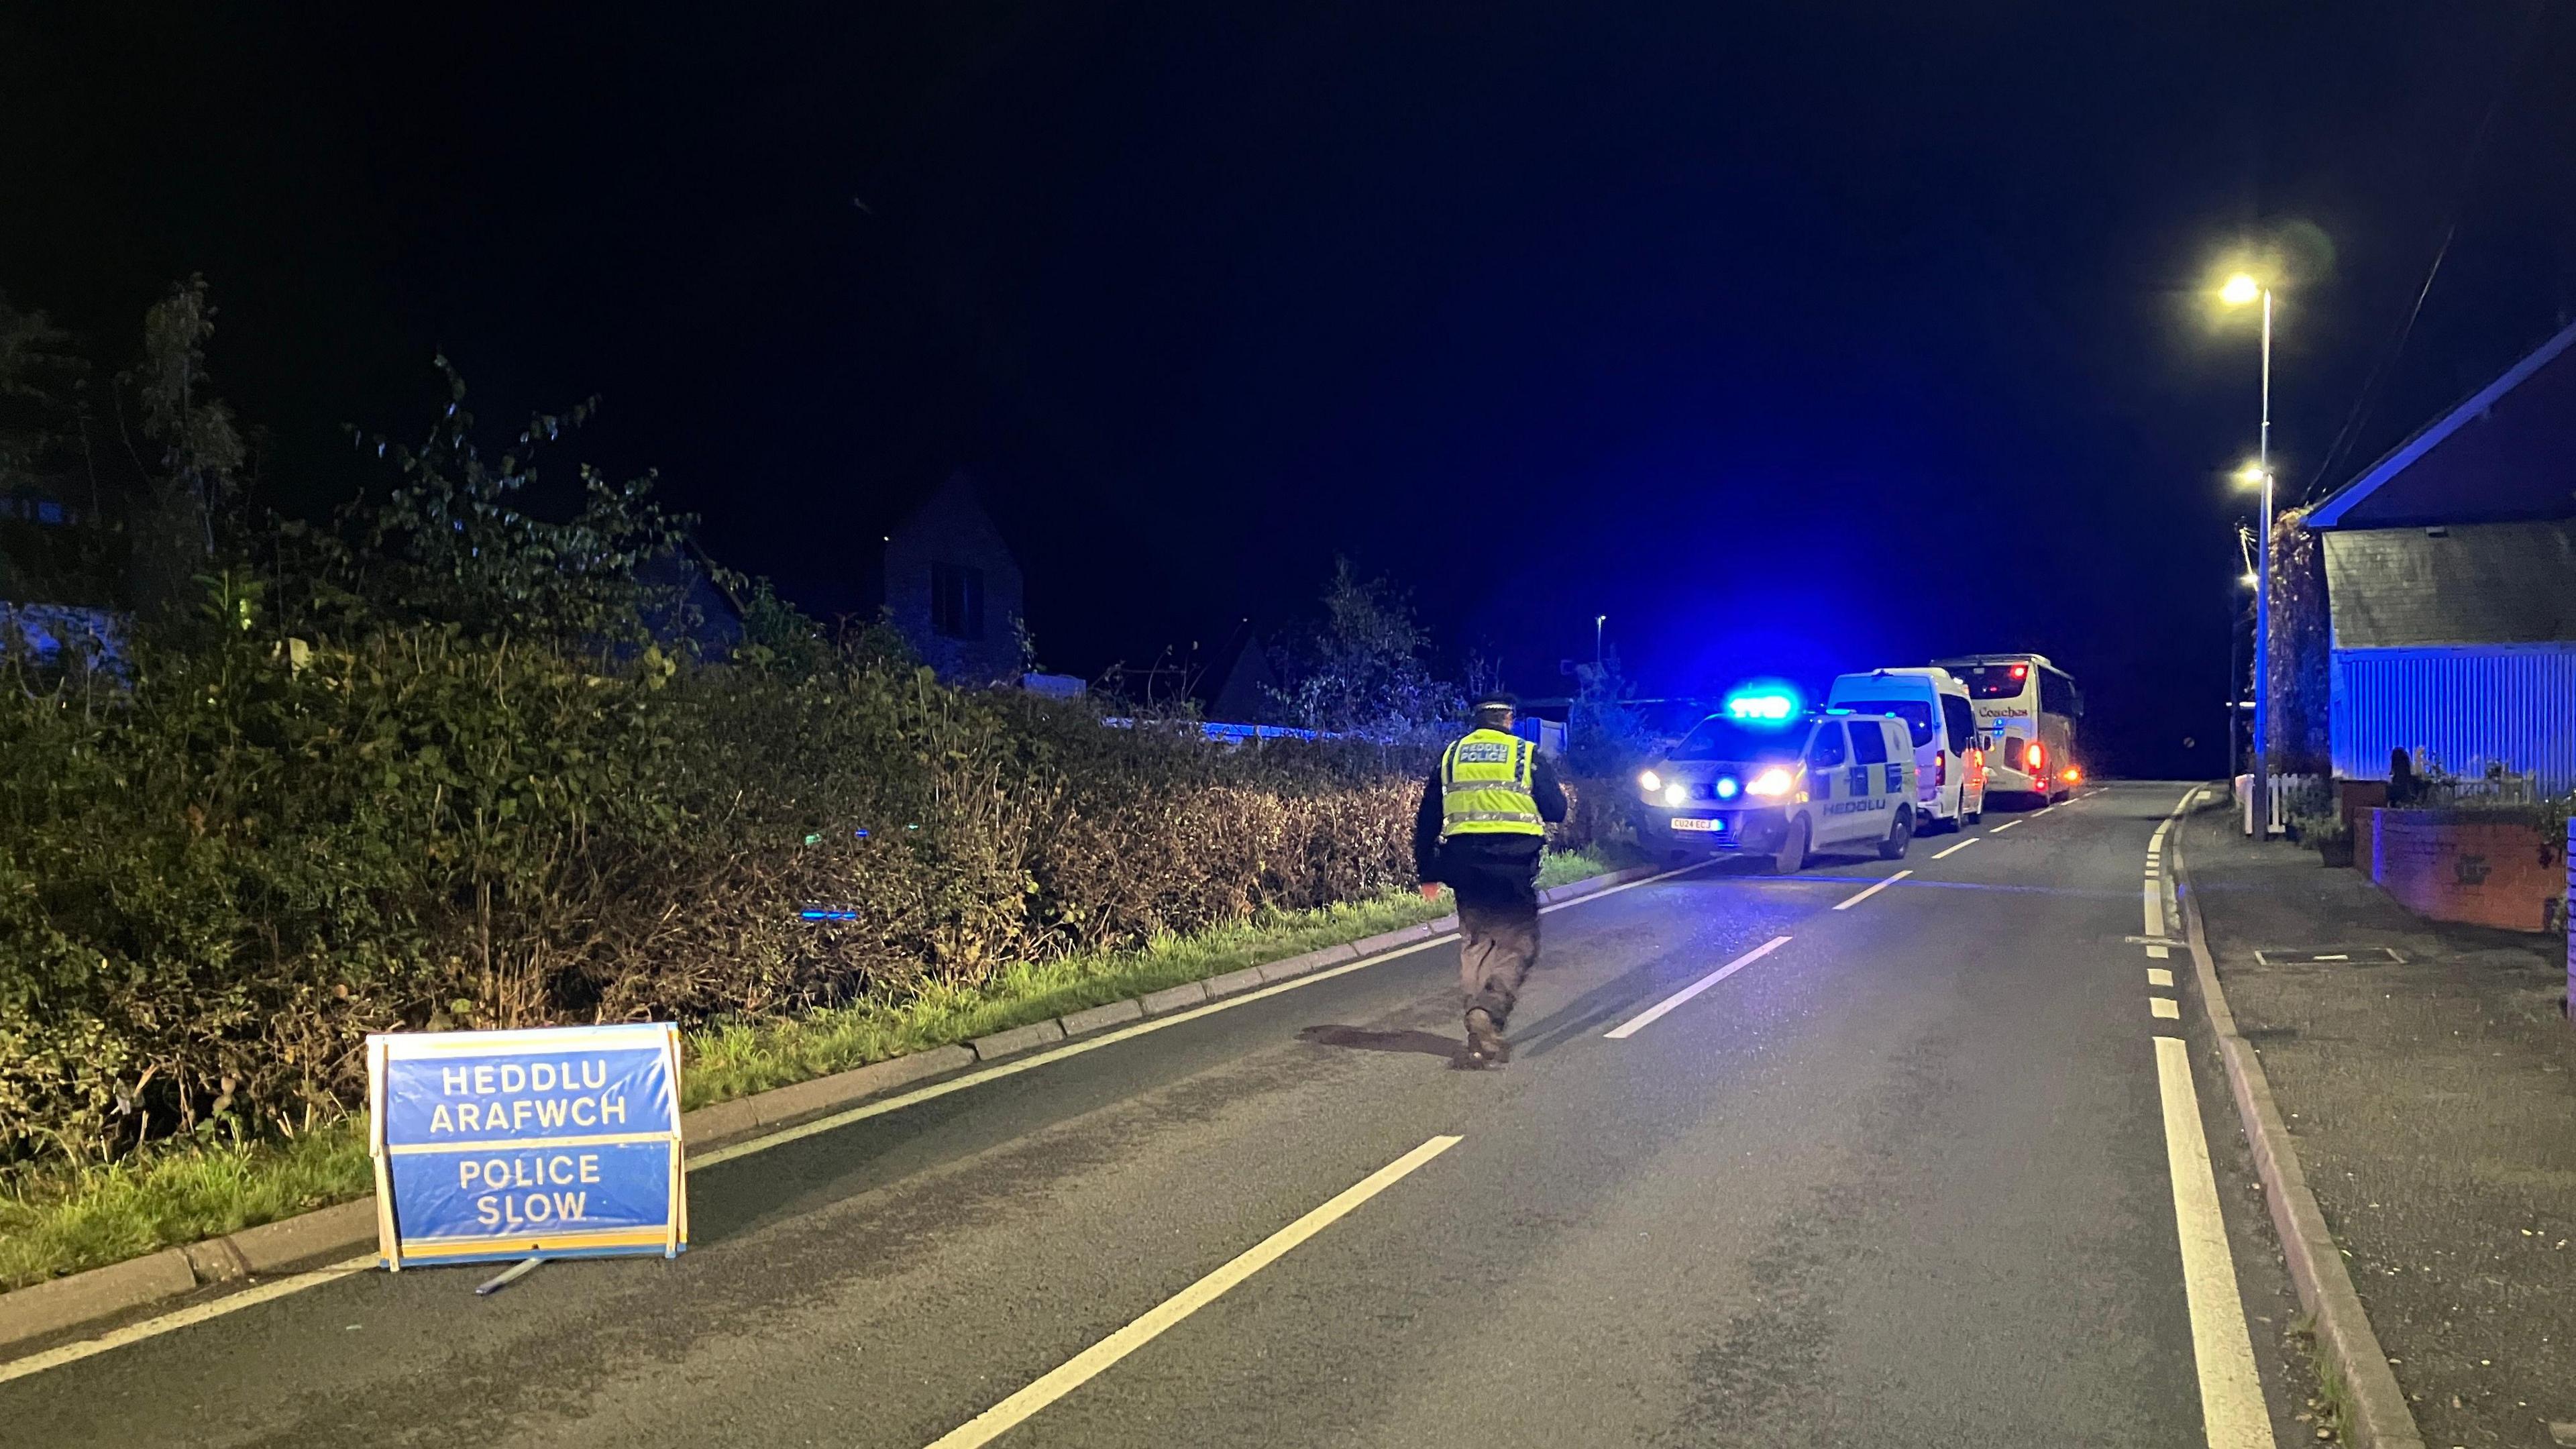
x: 2291, y: 795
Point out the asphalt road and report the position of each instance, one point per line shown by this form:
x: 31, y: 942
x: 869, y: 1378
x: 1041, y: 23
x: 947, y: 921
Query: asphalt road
x: 1903, y: 1180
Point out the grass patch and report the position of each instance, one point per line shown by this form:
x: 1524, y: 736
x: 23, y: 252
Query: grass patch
x: 2331, y: 1406
x: 66, y: 1219
x: 63, y: 1220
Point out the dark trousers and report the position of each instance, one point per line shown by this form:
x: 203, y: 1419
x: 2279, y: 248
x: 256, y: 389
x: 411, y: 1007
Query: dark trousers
x: 1497, y: 934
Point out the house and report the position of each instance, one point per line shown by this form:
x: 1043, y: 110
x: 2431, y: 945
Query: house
x: 1246, y: 695
x: 2450, y: 570
x: 952, y: 588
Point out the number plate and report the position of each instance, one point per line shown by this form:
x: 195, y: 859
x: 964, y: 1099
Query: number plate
x: 1685, y: 822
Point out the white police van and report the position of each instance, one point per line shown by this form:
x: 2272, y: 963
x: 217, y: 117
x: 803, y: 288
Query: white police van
x: 1949, y: 753
x: 1761, y: 779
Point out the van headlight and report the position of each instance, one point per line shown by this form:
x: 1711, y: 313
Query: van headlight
x: 1675, y: 794
x: 1649, y: 781
x: 1772, y: 782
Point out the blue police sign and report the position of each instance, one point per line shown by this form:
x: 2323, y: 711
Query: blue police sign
x: 558, y: 1142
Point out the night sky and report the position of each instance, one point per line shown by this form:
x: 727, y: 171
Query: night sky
x: 1795, y: 339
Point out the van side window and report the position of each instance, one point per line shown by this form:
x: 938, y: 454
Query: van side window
x: 1869, y: 742
x: 1825, y: 747
x: 1961, y: 722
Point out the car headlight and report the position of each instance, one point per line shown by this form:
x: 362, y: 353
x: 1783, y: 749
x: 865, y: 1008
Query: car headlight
x: 1675, y: 794
x: 1649, y: 781
x: 1774, y: 781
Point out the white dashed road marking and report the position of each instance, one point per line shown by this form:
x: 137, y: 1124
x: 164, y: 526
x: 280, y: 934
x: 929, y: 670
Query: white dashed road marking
x: 1080, y: 1369
x: 1845, y: 905
x: 1646, y: 1018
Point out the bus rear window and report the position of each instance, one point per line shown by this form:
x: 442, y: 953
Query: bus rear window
x: 1995, y: 681
x: 1916, y: 713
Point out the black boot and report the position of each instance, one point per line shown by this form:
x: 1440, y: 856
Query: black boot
x: 1485, y: 1044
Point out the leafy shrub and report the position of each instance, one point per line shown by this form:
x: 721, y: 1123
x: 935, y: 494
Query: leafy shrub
x: 213, y: 887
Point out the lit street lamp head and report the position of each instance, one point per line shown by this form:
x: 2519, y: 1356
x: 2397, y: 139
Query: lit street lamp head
x: 2251, y: 475
x: 2240, y: 289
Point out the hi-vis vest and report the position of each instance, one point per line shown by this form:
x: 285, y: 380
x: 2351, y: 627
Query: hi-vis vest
x: 1485, y: 786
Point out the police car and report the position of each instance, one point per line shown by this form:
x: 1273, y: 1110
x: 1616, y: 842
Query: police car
x: 1762, y: 778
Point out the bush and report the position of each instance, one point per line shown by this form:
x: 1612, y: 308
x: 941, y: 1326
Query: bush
x: 212, y: 888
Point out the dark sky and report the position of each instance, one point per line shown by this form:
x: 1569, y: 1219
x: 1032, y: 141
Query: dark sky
x: 1794, y: 338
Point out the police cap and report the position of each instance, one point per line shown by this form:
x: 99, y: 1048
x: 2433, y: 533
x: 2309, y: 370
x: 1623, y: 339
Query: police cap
x: 1495, y: 699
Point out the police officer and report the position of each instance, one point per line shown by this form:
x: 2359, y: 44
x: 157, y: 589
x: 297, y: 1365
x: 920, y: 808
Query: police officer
x: 1485, y: 812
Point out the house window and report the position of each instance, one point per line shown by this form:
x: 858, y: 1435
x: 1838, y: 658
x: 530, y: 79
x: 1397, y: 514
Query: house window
x: 957, y: 601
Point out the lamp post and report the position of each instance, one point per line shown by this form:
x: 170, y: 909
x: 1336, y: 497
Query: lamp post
x: 2241, y: 289
x: 1597, y: 621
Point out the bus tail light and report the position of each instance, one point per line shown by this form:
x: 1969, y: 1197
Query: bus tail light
x: 2035, y: 760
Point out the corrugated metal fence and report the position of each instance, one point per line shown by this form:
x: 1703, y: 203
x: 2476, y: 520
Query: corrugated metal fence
x: 2468, y: 706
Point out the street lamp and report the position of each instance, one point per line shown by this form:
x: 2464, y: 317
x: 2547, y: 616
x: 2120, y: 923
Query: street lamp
x: 1597, y: 621
x: 2239, y: 290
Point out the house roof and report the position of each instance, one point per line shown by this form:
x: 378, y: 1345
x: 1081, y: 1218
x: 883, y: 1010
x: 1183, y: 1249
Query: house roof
x: 2506, y: 454
x: 2477, y: 584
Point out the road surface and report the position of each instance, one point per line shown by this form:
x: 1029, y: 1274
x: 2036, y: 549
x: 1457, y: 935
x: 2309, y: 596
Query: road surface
x: 1919, y: 1173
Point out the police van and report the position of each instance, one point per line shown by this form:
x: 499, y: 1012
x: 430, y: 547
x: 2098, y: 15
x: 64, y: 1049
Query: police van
x: 1760, y: 779
x: 1949, y: 754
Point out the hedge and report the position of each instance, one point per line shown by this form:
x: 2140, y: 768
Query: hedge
x: 217, y: 878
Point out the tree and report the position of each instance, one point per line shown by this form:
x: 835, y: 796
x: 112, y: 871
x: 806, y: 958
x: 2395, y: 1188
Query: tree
x: 455, y: 543
x: 173, y: 530
x: 1605, y: 734
x: 1361, y: 670
x: 49, y: 513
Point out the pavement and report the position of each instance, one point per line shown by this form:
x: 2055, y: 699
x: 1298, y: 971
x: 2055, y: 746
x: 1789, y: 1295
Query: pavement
x: 1922, y: 1173
x: 2432, y: 1099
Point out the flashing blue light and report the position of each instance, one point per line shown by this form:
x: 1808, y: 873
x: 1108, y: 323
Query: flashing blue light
x: 1726, y: 787
x: 828, y: 913
x: 1764, y: 702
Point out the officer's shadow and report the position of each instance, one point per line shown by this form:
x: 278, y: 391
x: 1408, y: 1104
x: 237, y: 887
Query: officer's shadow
x: 1423, y: 1042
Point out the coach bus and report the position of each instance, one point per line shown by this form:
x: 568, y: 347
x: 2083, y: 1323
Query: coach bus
x: 2029, y: 707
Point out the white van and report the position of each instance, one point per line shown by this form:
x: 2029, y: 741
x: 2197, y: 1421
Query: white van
x: 1949, y: 756
x: 1784, y: 787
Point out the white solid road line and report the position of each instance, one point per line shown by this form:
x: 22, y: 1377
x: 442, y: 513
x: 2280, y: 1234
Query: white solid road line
x: 199, y: 1313
x: 1646, y: 1018
x: 1848, y: 902
x: 1074, y: 1372
x: 252, y: 1297
x: 1962, y: 845
x: 2231, y: 1391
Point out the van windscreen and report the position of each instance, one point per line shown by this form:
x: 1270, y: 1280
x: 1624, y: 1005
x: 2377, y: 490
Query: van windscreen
x: 1917, y: 714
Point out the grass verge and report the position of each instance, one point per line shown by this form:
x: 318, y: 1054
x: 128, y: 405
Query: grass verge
x: 63, y: 1220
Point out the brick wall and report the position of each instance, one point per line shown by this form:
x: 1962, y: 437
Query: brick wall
x: 2487, y: 873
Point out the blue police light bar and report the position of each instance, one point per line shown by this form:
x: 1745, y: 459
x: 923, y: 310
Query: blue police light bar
x: 1763, y: 704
